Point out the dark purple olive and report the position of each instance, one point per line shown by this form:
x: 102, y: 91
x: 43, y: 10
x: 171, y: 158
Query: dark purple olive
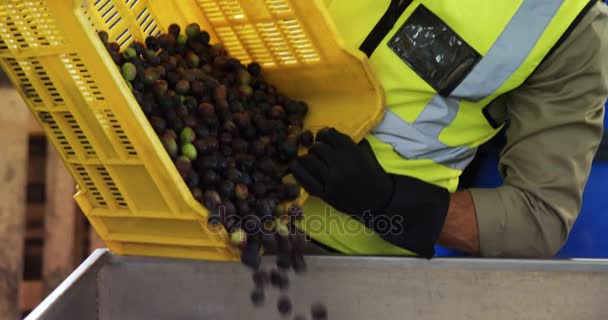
x: 210, y: 178
x: 230, y: 163
x: 103, y: 36
x: 113, y: 47
x: 152, y: 43
x: 181, y: 111
x: 297, y: 262
x: 296, y: 120
x: 283, y: 261
x: 160, y: 87
x: 259, y: 96
x: 251, y: 254
x: 268, y: 240
x: 226, y: 189
x: 229, y: 126
x: 279, y: 279
x: 283, y: 244
x: 306, y: 138
x: 251, y: 224
x: 225, y: 138
x: 171, y: 146
x: 267, y: 166
x: 257, y: 297
x: 206, y: 110
x: 288, y: 150
x: 240, y: 145
x: 201, y: 132
x: 222, y: 162
x: 236, y: 106
x: 177, y: 124
x: 158, y: 124
x: 242, y: 119
x: 298, y: 240
x: 261, y: 278
x: 203, y: 37
x: 211, y: 123
x: 249, y: 132
x: 291, y: 107
x: 246, y: 179
x: 193, y: 179
x: 302, y: 108
x: 182, y: 87
x: 174, y: 29
x: 245, y: 163
x: 234, y: 175
x: 242, y: 207
x: 191, y: 103
x: 277, y: 112
x: 165, y: 41
x: 265, y: 210
x: 183, y: 165
x: 226, y: 150
x: 260, y: 188
x: 172, y: 78
x: 264, y: 108
x: 197, y: 193
x: 190, y: 121
x: 203, y: 147
x: 254, y: 69
x: 211, y: 200
x: 198, y: 88
x: 257, y: 177
x: 318, y: 311
x: 284, y: 305
x: 207, y: 162
x: 259, y: 148
x: 290, y: 191
x: 220, y: 93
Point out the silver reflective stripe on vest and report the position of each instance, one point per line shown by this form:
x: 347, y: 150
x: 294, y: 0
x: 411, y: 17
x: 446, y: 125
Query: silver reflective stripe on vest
x: 420, y: 140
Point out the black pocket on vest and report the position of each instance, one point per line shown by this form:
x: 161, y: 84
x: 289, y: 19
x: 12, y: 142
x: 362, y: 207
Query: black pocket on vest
x: 434, y: 51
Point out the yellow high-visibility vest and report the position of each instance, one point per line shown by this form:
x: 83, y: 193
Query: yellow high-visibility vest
x: 441, y: 63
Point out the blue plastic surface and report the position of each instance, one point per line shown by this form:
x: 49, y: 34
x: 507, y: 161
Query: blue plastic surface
x: 589, y: 235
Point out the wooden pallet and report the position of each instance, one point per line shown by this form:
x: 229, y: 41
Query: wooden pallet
x: 43, y: 234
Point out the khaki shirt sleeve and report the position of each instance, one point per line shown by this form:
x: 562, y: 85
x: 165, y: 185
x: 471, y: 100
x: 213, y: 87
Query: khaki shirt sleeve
x: 555, y: 129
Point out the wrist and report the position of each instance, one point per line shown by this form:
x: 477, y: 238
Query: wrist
x: 460, y: 230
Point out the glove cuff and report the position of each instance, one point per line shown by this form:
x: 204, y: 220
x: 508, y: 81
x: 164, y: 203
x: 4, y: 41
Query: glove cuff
x: 417, y: 212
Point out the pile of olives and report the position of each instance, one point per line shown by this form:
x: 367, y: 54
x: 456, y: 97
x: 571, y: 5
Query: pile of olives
x: 231, y: 136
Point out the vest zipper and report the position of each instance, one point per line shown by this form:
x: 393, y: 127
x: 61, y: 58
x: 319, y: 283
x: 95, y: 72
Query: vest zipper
x: 384, y: 25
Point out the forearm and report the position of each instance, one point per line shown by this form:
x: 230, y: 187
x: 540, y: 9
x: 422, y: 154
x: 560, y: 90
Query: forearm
x: 503, y: 222
x: 460, y: 230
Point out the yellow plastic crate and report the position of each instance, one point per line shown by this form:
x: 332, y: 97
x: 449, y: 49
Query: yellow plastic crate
x: 128, y: 186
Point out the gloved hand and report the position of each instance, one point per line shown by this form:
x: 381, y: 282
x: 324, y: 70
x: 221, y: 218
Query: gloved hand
x: 348, y: 177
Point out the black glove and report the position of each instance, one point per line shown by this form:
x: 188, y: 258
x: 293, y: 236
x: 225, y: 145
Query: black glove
x: 404, y: 211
